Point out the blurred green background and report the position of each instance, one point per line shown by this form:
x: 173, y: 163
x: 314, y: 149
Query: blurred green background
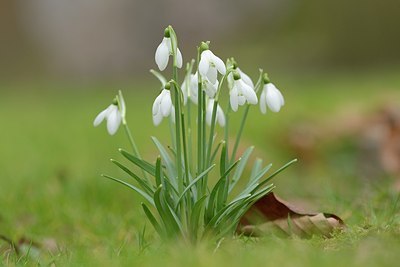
x: 61, y: 62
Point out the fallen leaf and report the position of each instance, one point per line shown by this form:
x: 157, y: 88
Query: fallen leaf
x: 273, y: 215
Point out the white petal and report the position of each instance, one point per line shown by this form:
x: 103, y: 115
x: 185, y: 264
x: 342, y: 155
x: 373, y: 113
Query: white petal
x: 241, y: 100
x: 212, y: 74
x: 263, y: 102
x: 220, y: 116
x: 166, y: 103
x: 194, y: 88
x: 204, y: 64
x: 185, y: 91
x: 246, y: 79
x: 209, y: 88
x: 219, y: 64
x: 99, y: 118
x: 209, y: 111
x: 113, y: 121
x: 273, y: 87
x: 157, y: 118
x: 230, y: 80
x: 274, y: 98
x: 233, y: 97
x: 248, y: 93
x: 162, y: 55
x: 156, y: 104
x: 179, y: 60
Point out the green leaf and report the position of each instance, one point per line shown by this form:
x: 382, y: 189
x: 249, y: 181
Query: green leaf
x: 240, y: 168
x: 195, y: 215
x: 158, y: 172
x: 222, y: 159
x: 256, y: 169
x: 165, y: 213
x: 144, y: 194
x: 152, y: 220
x: 214, y: 154
x: 212, y: 206
x: 253, y: 183
x: 144, y: 165
x: 193, y: 183
x: 169, y: 164
x: 276, y: 172
x: 143, y: 183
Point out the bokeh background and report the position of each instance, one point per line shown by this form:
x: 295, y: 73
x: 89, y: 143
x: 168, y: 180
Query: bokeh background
x: 116, y: 39
x: 61, y: 62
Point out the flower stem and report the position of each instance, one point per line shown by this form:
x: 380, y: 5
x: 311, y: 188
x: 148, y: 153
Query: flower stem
x: 199, y: 117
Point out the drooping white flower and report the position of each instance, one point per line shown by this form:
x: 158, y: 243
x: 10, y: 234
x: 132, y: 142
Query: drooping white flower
x: 220, y: 116
x: 241, y: 93
x: 246, y: 79
x: 209, y: 65
x: 272, y: 98
x: 162, y: 106
x: 210, y: 88
x: 189, y: 88
x: 113, y: 117
x: 164, y: 50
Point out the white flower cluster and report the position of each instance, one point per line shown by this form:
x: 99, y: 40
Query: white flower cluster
x: 241, y: 88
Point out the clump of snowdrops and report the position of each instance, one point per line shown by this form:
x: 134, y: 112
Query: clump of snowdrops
x: 188, y: 188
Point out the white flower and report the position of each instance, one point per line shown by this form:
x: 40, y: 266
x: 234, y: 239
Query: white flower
x: 209, y: 65
x: 162, y: 106
x: 113, y: 117
x: 240, y: 93
x: 220, y: 116
x: 272, y: 98
x: 210, y: 88
x: 164, y: 50
x: 189, y: 88
x: 246, y: 79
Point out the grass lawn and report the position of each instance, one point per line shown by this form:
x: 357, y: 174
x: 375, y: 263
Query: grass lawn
x: 51, y: 158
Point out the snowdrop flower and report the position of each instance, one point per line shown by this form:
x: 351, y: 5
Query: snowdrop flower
x: 246, y: 79
x: 209, y: 65
x: 220, y: 116
x: 164, y: 50
x: 241, y: 92
x: 210, y: 88
x: 113, y: 117
x: 272, y: 98
x: 189, y: 88
x: 162, y: 106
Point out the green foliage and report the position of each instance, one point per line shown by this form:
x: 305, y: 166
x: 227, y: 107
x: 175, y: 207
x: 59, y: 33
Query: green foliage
x: 185, y: 203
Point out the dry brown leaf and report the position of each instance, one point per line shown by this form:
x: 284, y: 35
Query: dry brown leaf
x: 271, y: 214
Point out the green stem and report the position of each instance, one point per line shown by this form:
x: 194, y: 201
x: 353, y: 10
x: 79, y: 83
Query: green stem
x: 189, y: 129
x: 199, y: 116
